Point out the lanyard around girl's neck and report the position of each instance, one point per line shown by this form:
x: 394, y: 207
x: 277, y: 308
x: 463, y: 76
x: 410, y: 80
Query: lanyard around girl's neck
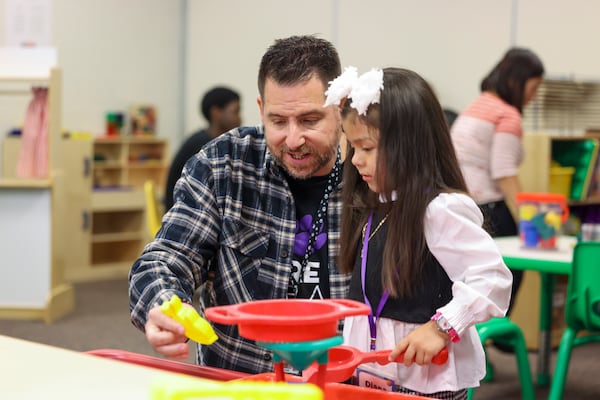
x: 363, y: 271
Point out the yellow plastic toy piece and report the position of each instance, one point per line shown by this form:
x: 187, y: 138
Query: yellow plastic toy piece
x: 527, y: 212
x: 196, y: 328
x: 185, y: 388
x: 553, y: 219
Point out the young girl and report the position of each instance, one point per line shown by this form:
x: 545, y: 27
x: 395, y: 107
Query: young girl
x: 412, y: 238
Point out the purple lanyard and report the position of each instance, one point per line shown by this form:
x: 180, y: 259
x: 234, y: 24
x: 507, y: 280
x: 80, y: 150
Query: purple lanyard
x: 363, y: 269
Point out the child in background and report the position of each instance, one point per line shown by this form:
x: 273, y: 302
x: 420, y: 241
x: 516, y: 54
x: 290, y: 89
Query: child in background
x: 412, y: 238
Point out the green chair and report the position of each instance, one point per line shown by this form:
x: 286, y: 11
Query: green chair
x: 503, y: 330
x: 582, y: 310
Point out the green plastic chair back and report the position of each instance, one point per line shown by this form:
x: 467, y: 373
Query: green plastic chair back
x: 505, y: 331
x: 583, y: 295
x: 582, y: 311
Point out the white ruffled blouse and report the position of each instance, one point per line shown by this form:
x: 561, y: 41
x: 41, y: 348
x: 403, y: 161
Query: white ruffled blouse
x: 481, y: 290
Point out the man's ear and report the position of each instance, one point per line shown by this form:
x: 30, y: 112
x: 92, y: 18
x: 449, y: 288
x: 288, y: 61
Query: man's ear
x: 260, y: 107
x: 214, y: 113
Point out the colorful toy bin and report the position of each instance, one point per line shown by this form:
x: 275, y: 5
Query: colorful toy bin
x: 541, y: 216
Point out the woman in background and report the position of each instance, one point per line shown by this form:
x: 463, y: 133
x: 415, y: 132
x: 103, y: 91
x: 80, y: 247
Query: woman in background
x: 487, y: 139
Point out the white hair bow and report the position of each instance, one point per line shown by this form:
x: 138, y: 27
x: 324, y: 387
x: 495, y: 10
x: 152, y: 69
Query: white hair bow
x: 364, y: 90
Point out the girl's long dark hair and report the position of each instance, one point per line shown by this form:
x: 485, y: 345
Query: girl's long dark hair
x: 416, y: 160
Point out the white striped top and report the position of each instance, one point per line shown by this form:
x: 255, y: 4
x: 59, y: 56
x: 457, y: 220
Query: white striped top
x: 487, y: 139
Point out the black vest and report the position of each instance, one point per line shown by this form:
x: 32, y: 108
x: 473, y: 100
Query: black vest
x: 432, y: 292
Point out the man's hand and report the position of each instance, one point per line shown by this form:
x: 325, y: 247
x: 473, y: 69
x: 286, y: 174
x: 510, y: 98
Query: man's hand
x: 166, y: 335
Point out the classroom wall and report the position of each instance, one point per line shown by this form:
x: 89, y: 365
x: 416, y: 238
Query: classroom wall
x: 116, y: 53
x: 432, y: 37
x: 453, y: 44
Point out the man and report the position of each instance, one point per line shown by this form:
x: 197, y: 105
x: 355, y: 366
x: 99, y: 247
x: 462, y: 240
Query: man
x: 260, y: 205
x: 220, y: 106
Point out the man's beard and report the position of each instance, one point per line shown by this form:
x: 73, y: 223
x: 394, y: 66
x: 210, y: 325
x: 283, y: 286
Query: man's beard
x: 318, y: 162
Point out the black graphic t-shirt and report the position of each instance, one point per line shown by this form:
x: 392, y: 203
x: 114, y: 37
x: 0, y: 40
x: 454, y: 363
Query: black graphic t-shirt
x: 314, y: 282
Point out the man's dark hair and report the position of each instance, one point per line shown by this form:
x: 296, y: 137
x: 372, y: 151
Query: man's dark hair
x: 296, y: 59
x: 217, y: 97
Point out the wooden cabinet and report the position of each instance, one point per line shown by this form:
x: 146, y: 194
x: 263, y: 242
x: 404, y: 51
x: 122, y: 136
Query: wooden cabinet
x: 120, y: 167
x: 105, y: 209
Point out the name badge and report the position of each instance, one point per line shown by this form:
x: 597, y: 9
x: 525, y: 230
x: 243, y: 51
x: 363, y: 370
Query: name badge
x: 374, y: 381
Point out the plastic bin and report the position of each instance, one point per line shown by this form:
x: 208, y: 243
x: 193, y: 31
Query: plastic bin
x: 241, y: 384
x: 541, y: 216
x: 560, y: 180
x: 200, y: 371
x: 339, y: 391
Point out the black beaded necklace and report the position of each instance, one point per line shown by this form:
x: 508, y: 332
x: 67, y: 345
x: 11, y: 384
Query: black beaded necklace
x: 332, y: 181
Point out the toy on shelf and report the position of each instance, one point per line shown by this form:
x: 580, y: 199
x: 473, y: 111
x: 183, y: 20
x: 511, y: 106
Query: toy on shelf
x: 143, y: 120
x: 114, y: 123
x: 196, y: 327
x: 541, y: 216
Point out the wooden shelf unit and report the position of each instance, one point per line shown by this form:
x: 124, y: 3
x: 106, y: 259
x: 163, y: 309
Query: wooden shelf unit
x: 129, y: 162
x: 32, y: 212
x: 117, y: 207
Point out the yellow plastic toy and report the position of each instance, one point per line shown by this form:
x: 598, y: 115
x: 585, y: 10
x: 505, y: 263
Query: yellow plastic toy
x: 527, y: 211
x: 553, y: 219
x: 185, y: 388
x: 196, y: 328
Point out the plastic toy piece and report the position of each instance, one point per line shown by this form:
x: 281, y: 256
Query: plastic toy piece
x: 553, y: 219
x: 196, y: 328
x: 343, y: 360
x: 182, y: 388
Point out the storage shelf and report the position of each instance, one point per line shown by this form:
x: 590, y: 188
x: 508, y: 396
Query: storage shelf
x: 96, y: 272
x: 117, y: 237
x: 146, y: 164
x: 15, y: 183
x: 116, y: 252
x: 120, y: 161
x: 108, y: 165
x: 595, y: 200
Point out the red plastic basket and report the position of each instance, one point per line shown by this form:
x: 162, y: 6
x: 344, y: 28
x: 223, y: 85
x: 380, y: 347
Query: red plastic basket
x: 333, y: 391
x: 217, y: 374
x: 339, y: 391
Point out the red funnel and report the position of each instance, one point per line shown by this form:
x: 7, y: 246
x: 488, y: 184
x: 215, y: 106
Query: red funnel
x: 287, y: 320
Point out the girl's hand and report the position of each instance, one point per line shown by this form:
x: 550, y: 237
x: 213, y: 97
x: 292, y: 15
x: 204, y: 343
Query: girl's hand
x: 421, y: 345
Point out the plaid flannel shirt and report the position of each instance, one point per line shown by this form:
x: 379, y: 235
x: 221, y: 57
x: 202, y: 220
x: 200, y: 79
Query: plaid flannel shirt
x: 234, y: 209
